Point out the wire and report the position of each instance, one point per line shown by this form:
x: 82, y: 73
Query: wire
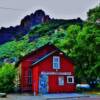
x: 14, y: 9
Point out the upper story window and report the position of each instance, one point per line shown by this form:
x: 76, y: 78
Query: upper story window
x: 56, y: 62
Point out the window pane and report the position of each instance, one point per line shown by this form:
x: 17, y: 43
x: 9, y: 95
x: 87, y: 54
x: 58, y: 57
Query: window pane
x: 30, y: 80
x: 70, y: 79
x: 30, y: 73
x: 56, y: 59
x: 56, y: 65
x: 61, y: 80
x: 30, y: 77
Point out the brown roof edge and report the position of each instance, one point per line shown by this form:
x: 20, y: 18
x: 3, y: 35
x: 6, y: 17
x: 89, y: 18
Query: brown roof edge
x: 22, y: 58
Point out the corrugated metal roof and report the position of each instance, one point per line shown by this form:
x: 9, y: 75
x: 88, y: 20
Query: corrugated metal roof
x: 43, y: 57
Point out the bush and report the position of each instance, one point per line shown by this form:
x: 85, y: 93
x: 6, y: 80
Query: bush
x: 7, y: 77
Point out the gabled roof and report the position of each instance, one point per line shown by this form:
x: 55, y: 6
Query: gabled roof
x: 39, y: 59
x: 34, y: 52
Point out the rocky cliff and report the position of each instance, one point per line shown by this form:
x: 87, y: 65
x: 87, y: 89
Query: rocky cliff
x: 12, y: 33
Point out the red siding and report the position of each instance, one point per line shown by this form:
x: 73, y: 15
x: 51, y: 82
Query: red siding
x: 25, y: 66
x: 66, y: 66
x: 26, y: 63
x: 35, y: 80
x: 54, y: 87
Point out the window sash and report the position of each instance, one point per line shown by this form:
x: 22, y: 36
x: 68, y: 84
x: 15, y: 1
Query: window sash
x: 28, y: 77
x: 56, y: 62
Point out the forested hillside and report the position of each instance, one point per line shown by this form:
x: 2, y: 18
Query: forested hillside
x: 26, y: 43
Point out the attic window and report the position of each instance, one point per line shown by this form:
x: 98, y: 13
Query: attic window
x: 56, y: 62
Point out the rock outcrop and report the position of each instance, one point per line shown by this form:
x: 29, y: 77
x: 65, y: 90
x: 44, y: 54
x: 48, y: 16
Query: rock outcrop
x: 11, y: 33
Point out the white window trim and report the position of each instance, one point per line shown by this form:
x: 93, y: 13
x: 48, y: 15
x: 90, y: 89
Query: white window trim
x: 70, y: 77
x: 61, y: 82
x: 56, y: 62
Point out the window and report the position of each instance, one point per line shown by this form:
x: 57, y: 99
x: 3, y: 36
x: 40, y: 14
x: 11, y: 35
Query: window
x: 30, y: 77
x: 61, y: 80
x: 70, y: 79
x: 56, y: 62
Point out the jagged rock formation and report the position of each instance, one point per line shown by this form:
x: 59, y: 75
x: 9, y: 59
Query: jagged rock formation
x: 11, y: 33
x: 27, y: 23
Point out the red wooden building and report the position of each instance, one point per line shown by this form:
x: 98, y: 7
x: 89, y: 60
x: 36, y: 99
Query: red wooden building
x: 47, y: 70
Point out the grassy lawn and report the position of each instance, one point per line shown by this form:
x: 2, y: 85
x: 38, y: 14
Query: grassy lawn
x: 89, y: 91
x: 94, y: 92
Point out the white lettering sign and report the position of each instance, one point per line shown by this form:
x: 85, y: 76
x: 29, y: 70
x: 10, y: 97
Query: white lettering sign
x: 56, y: 73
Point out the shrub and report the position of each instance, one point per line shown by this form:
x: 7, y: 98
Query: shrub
x: 7, y: 77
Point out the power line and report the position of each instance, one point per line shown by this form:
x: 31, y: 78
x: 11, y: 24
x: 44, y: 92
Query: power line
x: 14, y: 9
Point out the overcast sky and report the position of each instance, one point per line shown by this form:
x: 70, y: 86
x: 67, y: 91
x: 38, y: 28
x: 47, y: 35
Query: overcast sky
x: 12, y: 11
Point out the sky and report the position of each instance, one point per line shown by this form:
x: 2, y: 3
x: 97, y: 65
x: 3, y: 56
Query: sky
x: 12, y: 11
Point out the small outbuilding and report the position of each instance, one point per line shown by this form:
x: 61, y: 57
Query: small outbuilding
x: 46, y: 70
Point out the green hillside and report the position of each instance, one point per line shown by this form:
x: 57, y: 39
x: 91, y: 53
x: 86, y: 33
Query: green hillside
x: 49, y: 27
x: 36, y: 37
